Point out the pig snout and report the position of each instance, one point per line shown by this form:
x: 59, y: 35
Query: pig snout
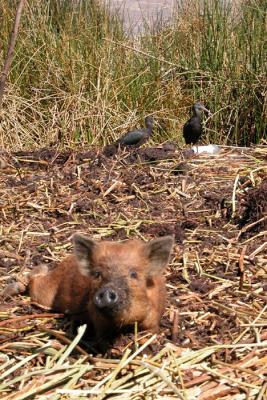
x: 106, y: 298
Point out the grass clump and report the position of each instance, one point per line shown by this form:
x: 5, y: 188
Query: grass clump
x: 78, y: 77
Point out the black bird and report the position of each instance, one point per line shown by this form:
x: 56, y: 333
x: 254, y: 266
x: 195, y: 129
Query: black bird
x: 192, y: 129
x: 138, y: 136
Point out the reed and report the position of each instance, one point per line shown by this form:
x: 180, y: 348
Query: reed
x: 78, y: 78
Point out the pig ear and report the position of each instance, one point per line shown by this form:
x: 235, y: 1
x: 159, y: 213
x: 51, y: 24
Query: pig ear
x: 158, y: 252
x: 83, y: 250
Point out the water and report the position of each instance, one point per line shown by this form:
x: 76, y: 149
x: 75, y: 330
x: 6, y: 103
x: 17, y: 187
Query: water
x: 139, y: 13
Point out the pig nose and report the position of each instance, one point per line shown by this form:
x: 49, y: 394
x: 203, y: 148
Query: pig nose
x: 105, y: 297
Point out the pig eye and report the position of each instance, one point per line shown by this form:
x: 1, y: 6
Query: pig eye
x: 96, y: 274
x: 133, y: 274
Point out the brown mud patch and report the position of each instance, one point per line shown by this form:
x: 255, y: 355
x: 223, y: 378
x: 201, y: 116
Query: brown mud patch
x: 46, y: 196
x: 254, y: 209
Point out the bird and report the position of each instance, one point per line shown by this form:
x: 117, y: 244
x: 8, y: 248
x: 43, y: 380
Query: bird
x: 138, y: 136
x: 192, y: 129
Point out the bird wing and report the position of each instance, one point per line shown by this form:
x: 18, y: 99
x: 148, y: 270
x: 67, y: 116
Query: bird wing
x: 192, y: 122
x: 132, y: 137
x: 192, y: 130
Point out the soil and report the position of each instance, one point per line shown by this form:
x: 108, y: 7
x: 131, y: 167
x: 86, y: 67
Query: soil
x: 47, y: 195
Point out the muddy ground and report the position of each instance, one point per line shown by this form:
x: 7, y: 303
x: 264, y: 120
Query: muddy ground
x: 215, y: 206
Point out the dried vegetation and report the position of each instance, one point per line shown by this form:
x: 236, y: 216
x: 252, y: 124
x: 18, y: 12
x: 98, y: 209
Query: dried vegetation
x: 213, y: 340
x: 78, y: 78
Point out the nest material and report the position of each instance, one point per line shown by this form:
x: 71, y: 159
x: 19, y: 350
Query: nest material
x: 213, y: 340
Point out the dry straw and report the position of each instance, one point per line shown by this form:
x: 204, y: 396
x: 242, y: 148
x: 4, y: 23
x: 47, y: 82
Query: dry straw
x: 218, y: 325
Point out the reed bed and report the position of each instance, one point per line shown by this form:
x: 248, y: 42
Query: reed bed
x: 213, y: 338
x: 79, y: 78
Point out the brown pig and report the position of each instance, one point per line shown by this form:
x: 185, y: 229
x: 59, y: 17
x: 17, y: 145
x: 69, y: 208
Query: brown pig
x: 108, y: 285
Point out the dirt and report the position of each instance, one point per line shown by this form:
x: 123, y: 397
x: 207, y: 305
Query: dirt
x: 47, y: 195
x: 254, y: 208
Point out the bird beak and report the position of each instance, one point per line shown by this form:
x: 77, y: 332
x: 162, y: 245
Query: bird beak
x: 206, y: 110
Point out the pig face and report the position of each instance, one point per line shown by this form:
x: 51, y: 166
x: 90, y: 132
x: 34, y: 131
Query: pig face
x: 122, y: 276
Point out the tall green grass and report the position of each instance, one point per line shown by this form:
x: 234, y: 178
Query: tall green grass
x: 78, y: 76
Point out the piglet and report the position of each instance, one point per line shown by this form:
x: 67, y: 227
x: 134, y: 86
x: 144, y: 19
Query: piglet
x: 108, y: 285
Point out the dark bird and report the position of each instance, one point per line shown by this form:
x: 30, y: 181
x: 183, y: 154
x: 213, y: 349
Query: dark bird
x: 192, y: 129
x: 138, y: 136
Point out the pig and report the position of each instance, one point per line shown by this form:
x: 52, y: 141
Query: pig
x: 108, y: 285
